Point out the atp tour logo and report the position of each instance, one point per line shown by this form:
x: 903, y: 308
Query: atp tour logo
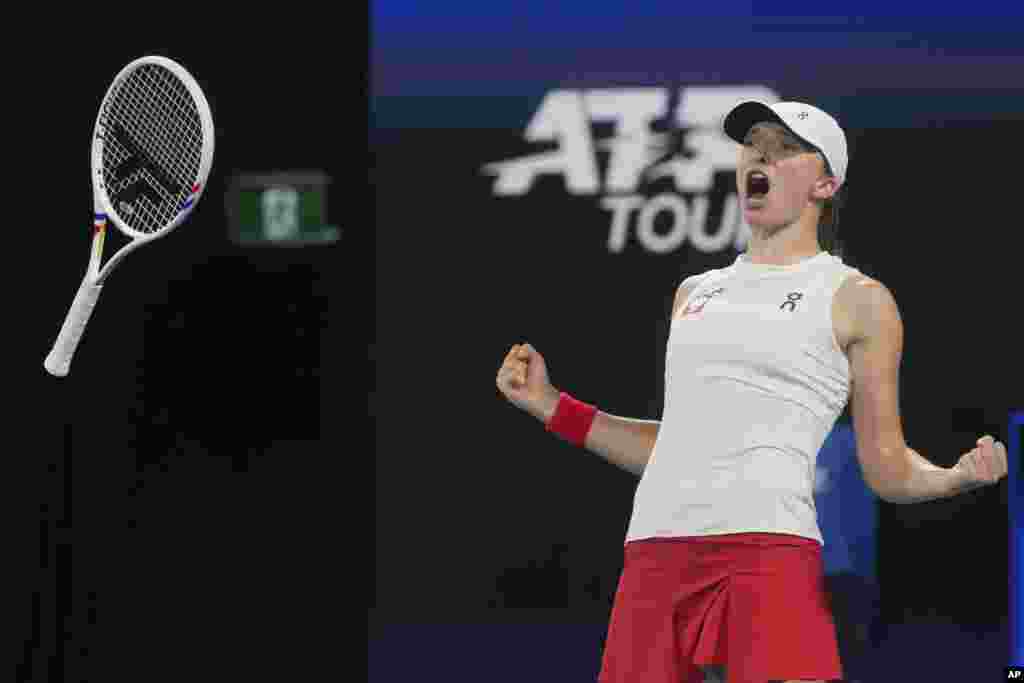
x: 695, y: 155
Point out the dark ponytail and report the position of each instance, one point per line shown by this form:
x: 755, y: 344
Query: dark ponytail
x: 828, y: 226
x: 828, y: 222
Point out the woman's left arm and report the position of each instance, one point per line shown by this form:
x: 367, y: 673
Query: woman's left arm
x: 893, y: 470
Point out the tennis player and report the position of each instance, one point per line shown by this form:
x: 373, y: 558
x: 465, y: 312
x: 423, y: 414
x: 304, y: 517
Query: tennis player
x: 723, y: 575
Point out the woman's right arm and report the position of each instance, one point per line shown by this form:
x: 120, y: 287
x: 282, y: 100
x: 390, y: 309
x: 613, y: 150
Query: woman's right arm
x: 624, y: 442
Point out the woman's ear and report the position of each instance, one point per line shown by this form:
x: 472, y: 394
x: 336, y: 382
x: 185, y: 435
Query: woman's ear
x: 825, y: 188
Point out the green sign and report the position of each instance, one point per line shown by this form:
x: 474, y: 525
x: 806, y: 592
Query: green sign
x: 280, y: 209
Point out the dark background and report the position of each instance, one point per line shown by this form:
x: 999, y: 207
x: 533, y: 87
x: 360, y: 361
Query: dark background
x: 190, y: 499
x: 498, y: 548
x: 479, y: 509
x: 178, y: 495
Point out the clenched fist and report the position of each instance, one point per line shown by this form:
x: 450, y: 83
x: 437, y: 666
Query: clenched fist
x: 983, y: 465
x: 523, y: 380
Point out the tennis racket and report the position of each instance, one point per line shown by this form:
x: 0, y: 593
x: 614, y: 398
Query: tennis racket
x: 152, y: 148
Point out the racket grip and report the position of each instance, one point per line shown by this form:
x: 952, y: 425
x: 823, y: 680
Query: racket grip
x: 58, y: 362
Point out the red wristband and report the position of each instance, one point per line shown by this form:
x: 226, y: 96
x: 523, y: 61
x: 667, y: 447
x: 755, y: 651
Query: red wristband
x: 572, y: 419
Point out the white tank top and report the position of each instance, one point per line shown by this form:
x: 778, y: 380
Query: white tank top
x: 754, y: 382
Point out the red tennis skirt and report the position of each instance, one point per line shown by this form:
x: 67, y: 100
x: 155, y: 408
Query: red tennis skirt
x: 754, y: 603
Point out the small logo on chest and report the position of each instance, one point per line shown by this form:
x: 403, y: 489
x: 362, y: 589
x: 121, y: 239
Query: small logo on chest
x: 792, y: 299
x: 698, y: 304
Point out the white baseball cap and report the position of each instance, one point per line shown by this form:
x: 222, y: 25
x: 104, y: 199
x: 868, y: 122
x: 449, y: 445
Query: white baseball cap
x: 810, y: 124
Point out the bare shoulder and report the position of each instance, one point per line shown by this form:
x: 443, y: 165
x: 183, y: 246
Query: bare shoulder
x: 683, y: 292
x: 866, y: 308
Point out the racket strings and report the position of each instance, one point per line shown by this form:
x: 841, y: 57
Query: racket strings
x: 152, y: 149
x: 170, y: 120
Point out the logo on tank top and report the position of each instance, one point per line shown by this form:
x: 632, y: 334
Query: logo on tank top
x: 791, y: 300
x: 698, y: 304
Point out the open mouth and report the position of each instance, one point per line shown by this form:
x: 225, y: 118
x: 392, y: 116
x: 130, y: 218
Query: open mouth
x: 758, y: 185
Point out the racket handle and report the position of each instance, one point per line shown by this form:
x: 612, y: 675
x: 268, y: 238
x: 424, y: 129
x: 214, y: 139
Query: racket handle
x: 58, y: 362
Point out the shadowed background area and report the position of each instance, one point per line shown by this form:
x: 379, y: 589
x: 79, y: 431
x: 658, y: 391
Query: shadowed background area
x: 498, y: 548
x: 178, y: 505
x: 188, y: 496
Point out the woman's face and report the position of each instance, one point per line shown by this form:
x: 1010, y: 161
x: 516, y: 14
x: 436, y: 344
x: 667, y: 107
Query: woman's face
x: 778, y: 176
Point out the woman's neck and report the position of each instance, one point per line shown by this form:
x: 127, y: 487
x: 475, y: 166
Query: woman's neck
x: 785, y: 246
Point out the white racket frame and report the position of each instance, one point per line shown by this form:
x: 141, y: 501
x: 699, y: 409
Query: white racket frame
x: 58, y: 361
